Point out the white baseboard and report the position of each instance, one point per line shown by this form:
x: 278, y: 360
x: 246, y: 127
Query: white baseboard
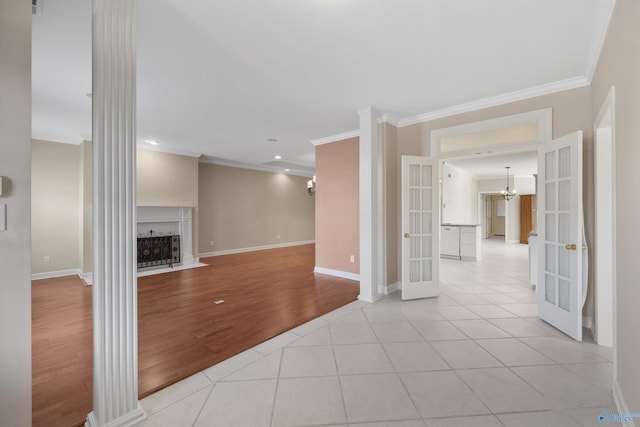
x: 58, y: 273
x: 87, y: 277
x: 389, y: 289
x: 621, y: 403
x: 587, y: 322
x: 337, y: 273
x: 254, y: 248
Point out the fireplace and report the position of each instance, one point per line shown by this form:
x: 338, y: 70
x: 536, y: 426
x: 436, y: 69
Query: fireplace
x: 165, y: 237
x: 154, y: 250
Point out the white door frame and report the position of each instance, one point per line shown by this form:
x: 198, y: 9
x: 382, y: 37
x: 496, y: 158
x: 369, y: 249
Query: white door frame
x: 604, y: 248
x: 543, y: 118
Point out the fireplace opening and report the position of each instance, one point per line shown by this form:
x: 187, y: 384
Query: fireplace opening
x: 155, y: 250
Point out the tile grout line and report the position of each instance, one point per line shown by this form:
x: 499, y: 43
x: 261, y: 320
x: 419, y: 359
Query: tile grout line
x: 275, y: 392
x: 335, y: 363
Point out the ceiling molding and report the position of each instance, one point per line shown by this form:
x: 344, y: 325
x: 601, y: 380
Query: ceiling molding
x: 336, y: 138
x: 494, y: 101
x: 71, y: 140
x: 600, y: 30
x: 167, y: 150
x: 241, y: 165
x: 388, y: 118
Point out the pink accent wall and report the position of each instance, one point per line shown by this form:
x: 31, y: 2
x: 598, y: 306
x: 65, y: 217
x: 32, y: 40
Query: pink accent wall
x: 337, y: 206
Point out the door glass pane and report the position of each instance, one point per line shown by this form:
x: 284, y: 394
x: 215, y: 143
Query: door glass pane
x: 564, y: 294
x: 414, y: 247
x: 550, y: 258
x: 564, y: 228
x: 564, y: 199
x: 427, y: 245
x: 426, y: 223
x: 550, y: 227
x: 414, y: 199
x: 414, y: 271
x: 426, y: 270
x: 414, y: 175
x: 564, y: 162
x: 550, y: 165
x: 426, y: 199
x: 564, y: 262
x: 550, y: 196
x: 414, y: 223
x: 426, y: 175
x: 550, y: 288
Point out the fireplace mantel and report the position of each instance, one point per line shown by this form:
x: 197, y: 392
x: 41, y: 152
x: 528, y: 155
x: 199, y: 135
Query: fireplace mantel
x: 177, y: 218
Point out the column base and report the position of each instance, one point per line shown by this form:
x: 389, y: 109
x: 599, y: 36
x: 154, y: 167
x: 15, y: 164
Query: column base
x: 135, y: 418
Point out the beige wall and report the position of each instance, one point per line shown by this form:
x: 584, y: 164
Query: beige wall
x: 86, y: 167
x: 619, y: 65
x: 166, y: 179
x: 56, y: 202
x: 243, y: 208
x: 62, y: 199
x: 337, y: 206
x: 15, y: 242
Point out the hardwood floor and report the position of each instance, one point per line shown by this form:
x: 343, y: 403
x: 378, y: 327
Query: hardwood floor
x: 180, y: 329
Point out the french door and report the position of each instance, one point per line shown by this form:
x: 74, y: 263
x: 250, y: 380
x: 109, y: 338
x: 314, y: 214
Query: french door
x: 562, y: 264
x: 420, y: 227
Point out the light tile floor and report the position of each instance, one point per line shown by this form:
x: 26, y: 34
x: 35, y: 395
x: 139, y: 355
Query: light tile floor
x: 475, y: 356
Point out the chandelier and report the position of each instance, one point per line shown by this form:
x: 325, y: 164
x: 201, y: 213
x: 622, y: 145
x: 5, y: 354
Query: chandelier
x: 506, y: 193
x: 311, y: 186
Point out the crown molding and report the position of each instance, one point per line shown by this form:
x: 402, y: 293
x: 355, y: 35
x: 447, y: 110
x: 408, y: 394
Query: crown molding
x: 167, y: 150
x: 251, y: 166
x: 336, y: 138
x: 604, y: 13
x: 62, y: 139
x: 388, y: 118
x: 494, y: 101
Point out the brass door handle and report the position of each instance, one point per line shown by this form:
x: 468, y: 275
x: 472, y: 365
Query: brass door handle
x: 573, y: 247
x: 406, y: 235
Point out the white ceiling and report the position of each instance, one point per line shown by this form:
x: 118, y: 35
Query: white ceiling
x: 220, y: 78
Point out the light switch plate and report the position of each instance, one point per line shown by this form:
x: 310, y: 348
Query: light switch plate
x: 3, y: 216
x: 1, y: 178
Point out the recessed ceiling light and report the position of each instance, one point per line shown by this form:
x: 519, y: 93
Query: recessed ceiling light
x: 151, y: 142
x: 272, y: 139
x: 287, y: 170
x: 277, y: 157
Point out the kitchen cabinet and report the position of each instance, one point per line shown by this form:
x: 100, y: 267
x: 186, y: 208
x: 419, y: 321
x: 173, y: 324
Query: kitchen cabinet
x: 460, y: 241
x: 450, y: 241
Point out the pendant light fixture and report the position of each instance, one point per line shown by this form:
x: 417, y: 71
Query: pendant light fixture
x: 506, y: 193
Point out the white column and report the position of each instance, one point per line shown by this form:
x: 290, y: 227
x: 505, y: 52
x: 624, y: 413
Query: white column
x: 371, y: 212
x: 115, y: 328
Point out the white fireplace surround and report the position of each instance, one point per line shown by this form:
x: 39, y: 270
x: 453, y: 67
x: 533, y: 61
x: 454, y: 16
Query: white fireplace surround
x: 165, y: 219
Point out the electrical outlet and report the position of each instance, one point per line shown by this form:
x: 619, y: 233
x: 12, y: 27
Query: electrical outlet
x: 353, y: 258
x: 210, y: 242
x: 278, y: 236
x: 46, y: 258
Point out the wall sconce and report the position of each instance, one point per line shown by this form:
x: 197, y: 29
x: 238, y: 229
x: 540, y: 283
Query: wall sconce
x: 311, y: 186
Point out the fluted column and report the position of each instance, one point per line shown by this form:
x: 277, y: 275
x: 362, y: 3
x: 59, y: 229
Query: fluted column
x: 115, y: 327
